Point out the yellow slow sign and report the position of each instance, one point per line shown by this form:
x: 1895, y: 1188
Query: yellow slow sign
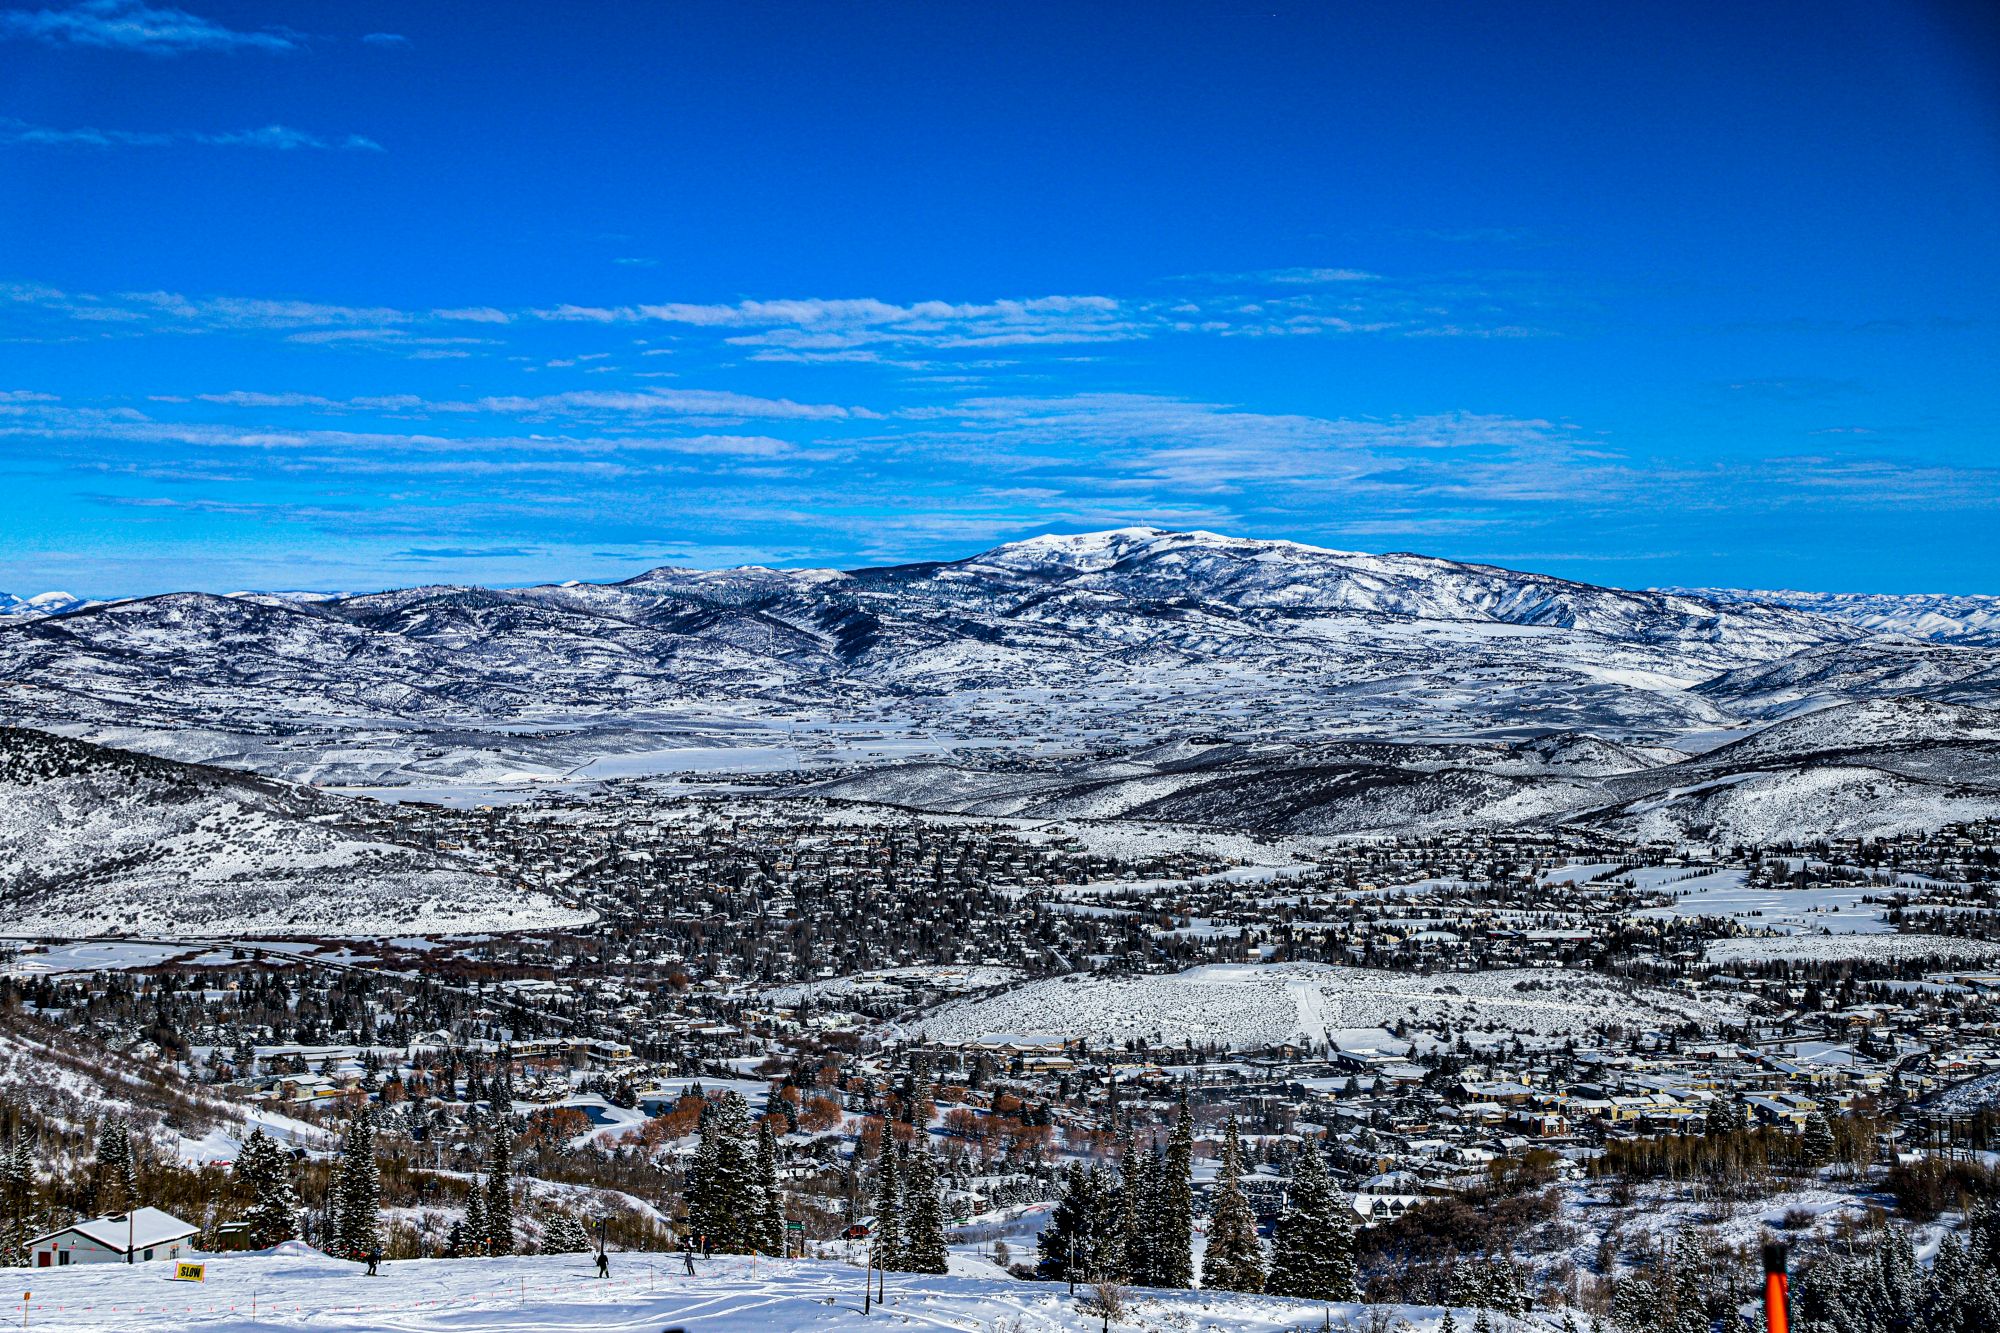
x: 190, y: 1272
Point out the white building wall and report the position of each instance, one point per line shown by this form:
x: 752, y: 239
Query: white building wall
x: 83, y: 1250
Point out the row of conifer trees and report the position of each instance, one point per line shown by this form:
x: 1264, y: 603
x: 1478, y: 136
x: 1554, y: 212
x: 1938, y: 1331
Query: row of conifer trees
x: 1138, y: 1226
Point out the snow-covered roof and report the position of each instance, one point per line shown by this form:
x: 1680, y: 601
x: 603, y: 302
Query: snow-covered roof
x: 147, y: 1228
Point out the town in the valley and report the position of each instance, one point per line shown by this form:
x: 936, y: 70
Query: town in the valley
x: 1536, y: 1076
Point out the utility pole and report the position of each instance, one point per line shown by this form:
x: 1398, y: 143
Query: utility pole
x: 1777, y: 1294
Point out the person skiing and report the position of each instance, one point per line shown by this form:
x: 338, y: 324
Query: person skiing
x: 374, y: 1258
x: 687, y: 1254
x: 603, y: 1264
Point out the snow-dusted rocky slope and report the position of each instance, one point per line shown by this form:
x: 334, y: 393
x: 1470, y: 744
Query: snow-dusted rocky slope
x: 98, y: 841
x: 1943, y: 617
x: 1872, y: 768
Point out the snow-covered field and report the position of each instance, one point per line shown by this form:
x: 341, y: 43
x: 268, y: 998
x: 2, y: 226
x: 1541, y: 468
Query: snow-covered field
x: 1836, y: 911
x: 1247, y: 1005
x: 890, y: 981
x: 557, y: 1294
x: 1851, y: 947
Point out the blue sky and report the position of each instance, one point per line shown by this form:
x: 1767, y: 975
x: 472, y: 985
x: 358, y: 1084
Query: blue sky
x: 352, y: 295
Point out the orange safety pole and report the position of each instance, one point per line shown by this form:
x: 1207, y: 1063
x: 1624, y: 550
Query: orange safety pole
x: 1777, y: 1291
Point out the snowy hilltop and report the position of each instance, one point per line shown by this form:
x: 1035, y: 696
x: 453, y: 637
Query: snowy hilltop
x: 1095, y: 643
x: 100, y: 841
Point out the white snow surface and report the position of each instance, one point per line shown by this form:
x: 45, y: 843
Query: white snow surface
x: 295, y: 1287
x: 1243, y: 1005
x: 1852, y: 947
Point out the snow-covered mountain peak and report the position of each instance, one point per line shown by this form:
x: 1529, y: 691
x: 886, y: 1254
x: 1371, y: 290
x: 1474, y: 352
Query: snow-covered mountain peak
x: 40, y: 605
x: 1085, y: 552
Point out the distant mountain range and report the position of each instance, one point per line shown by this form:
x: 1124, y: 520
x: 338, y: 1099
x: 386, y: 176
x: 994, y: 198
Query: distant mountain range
x: 34, y: 608
x: 1059, y: 647
x: 1939, y: 617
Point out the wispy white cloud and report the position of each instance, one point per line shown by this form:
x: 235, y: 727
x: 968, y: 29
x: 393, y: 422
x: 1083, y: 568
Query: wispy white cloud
x: 256, y: 313
x: 657, y: 402
x: 864, y: 330
x: 132, y: 26
x: 280, y: 137
x: 811, y: 328
x: 1287, y: 277
x: 582, y: 404
x: 41, y: 417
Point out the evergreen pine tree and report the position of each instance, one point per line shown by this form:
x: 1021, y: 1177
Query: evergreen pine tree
x: 472, y: 1227
x: 128, y: 1167
x: 1469, y: 1285
x: 1107, y: 1241
x: 17, y: 1185
x: 923, y: 1214
x: 1447, y: 1324
x: 1816, y: 1145
x: 1064, y: 1245
x: 771, y: 1199
x: 563, y: 1233
x: 113, y: 1187
x: 357, y: 1202
x: 1235, y: 1260
x: 1683, y: 1286
x: 888, y: 1208
x: 1175, y: 1204
x: 1636, y: 1305
x: 725, y: 1203
x: 500, y: 1194
x: 1945, y: 1303
x: 274, y: 1207
x: 1120, y: 1261
x: 1314, y: 1256
x: 1149, y: 1266
x: 701, y: 1212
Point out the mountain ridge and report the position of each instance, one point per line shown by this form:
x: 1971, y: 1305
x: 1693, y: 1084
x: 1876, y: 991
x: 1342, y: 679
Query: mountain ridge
x: 95, y: 840
x: 1082, y: 640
